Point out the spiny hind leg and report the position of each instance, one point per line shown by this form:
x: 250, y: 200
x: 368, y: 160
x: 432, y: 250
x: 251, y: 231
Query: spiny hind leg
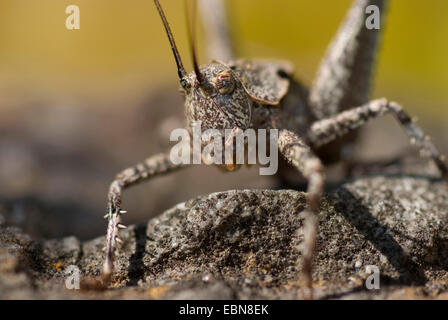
x: 327, y: 130
x: 301, y: 157
x: 217, y: 32
x: 153, y: 166
x: 343, y: 80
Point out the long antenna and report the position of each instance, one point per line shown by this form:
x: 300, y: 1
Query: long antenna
x: 180, y: 68
x: 191, y: 27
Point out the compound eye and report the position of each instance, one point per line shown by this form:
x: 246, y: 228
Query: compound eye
x: 185, y: 84
x: 225, y: 82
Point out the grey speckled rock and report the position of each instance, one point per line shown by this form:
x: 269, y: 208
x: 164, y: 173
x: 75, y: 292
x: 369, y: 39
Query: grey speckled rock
x: 246, y: 244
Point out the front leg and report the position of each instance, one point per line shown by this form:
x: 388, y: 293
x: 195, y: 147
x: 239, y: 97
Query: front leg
x: 300, y: 156
x: 153, y: 166
x: 327, y: 130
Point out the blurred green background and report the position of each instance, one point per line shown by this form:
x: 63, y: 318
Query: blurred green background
x: 78, y: 106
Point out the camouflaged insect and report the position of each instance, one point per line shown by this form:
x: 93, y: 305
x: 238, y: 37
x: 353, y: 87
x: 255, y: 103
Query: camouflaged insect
x: 315, y: 127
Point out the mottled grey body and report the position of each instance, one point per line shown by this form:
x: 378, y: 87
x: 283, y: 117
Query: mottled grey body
x: 313, y: 127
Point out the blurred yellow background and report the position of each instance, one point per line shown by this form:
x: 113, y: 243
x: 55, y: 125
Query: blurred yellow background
x: 121, y: 48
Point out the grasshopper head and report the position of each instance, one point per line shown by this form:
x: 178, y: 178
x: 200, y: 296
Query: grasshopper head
x: 214, y: 95
x: 217, y: 98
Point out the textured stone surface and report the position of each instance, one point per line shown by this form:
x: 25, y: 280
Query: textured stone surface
x: 243, y: 244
